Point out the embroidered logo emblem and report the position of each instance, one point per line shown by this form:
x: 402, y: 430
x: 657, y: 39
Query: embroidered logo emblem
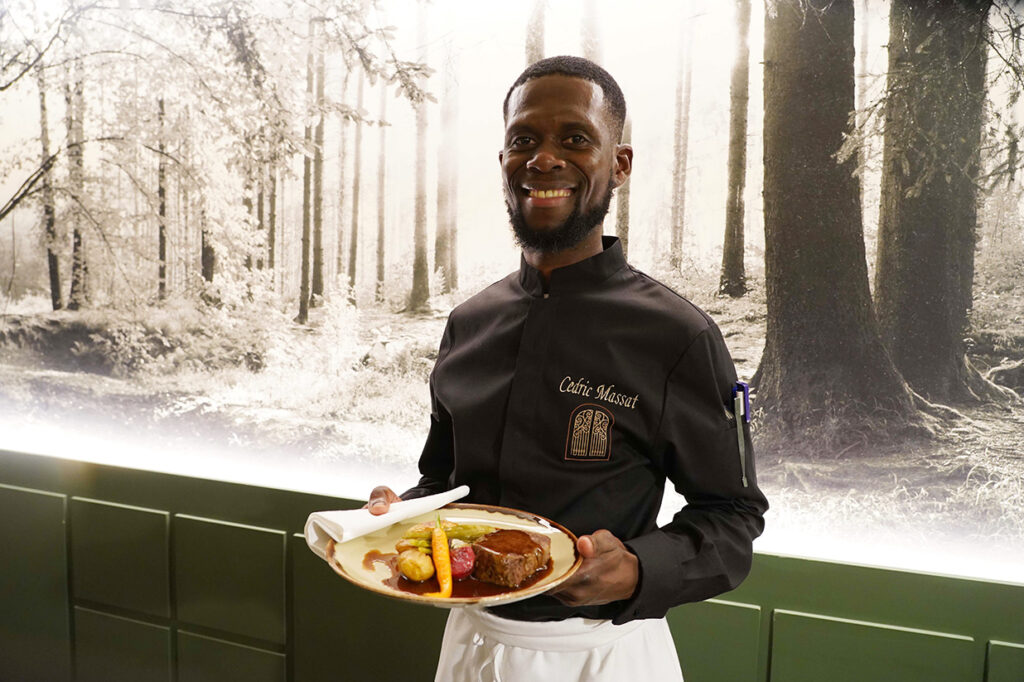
x: 590, y: 433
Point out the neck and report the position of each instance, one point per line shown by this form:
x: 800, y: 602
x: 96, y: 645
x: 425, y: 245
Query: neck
x: 546, y: 261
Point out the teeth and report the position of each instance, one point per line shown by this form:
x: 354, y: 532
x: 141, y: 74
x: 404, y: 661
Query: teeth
x: 549, y: 193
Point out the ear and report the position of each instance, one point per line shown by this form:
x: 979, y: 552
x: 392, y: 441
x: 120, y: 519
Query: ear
x: 501, y: 157
x: 623, y: 163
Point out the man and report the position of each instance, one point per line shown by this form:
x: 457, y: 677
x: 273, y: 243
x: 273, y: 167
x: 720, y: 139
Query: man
x: 572, y: 389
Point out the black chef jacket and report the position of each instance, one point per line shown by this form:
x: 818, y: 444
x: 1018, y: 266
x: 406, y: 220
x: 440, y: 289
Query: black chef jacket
x: 576, y: 404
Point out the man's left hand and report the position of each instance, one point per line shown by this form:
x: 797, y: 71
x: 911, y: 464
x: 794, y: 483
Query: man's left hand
x: 609, y: 572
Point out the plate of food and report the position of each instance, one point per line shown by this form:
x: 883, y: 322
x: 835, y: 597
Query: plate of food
x: 481, y: 555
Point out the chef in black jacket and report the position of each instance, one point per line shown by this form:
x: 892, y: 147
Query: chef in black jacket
x: 572, y: 389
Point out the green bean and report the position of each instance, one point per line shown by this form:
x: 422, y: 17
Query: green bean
x: 467, y: 532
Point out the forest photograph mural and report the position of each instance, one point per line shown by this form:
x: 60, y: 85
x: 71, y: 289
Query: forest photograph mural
x: 231, y: 233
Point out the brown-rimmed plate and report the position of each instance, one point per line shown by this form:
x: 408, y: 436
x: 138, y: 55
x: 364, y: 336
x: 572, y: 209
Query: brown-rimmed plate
x: 348, y: 559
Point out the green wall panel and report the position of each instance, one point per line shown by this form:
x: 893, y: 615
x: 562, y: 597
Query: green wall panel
x: 260, y: 600
x: 230, y: 577
x: 121, y: 556
x: 985, y: 609
x: 34, y: 602
x: 808, y: 647
x: 335, y: 621
x: 205, y: 659
x: 113, y: 649
x: 717, y: 626
x: 1005, y: 662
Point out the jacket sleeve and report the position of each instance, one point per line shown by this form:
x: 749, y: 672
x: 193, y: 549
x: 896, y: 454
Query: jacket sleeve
x: 707, y: 548
x: 437, y: 461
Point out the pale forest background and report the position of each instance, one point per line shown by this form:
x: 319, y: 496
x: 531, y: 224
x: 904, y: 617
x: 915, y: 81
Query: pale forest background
x: 231, y: 232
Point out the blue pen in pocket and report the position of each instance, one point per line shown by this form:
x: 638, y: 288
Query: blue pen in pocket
x: 741, y: 410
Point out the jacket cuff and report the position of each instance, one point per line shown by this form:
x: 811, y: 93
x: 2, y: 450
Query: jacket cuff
x: 647, y: 602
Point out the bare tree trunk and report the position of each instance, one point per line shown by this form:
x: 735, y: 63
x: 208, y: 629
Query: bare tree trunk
x: 317, y: 293
x: 453, y: 233
x: 188, y: 262
x: 381, y: 203
x: 261, y: 212
x: 591, y: 41
x: 928, y: 220
x: 49, y: 206
x: 161, y: 193
x: 535, y: 33
x: 307, y: 171
x: 181, y: 218
x: 675, y: 224
x: 865, y: 44
x: 681, y: 150
x: 357, y: 161
x: 447, y: 181
x: 420, y: 293
x: 261, y: 215
x: 862, y: 96
x: 247, y: 202
x: 825, y: 379
x: 272, y: 218
x: 187, y: 241
x: 281, y: 244
x: 342, y: 181
x: 733, y: 280
x: 622, y: 197
x: 74, y: 105
x: 208, y: 256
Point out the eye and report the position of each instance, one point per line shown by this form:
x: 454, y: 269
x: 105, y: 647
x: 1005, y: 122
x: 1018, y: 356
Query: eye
x: 520, y: 141
x: 577, y: 140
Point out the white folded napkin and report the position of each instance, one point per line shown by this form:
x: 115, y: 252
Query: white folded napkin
x: 344, y: 525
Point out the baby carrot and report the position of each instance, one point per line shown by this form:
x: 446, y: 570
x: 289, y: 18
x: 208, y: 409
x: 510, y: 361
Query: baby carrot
x: 442, y: 560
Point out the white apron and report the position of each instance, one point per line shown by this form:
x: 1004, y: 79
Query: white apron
x: 481, y: 647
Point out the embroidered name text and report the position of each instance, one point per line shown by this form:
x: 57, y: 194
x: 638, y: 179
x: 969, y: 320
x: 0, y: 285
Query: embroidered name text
x: 605, y: 392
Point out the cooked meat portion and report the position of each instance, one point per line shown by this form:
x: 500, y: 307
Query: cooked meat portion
x: 508, y: 557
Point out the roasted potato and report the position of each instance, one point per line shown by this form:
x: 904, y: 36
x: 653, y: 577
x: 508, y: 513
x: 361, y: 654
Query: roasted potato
x: 415, y: 565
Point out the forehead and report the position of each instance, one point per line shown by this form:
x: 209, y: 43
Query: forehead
x: 558, y: 98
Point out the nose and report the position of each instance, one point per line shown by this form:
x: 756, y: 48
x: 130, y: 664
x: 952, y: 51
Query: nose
x: 545, y: 159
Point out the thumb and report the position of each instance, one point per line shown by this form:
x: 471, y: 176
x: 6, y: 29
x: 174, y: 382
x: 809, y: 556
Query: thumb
x: 586, y: 546
x: 598, y: 542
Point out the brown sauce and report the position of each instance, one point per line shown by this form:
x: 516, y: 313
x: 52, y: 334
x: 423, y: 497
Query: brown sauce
x: 509, y: 542
x: 465, y: 588
x: 374, y: 556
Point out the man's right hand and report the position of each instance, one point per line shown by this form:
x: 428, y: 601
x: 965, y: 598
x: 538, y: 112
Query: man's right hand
x: 381, y: 499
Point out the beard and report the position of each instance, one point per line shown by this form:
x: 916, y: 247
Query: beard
x: 577, y: 225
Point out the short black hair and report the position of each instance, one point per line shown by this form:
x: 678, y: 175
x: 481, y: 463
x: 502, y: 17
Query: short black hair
x: 577, y: 67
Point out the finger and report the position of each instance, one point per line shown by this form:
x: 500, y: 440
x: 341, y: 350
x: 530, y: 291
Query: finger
x: 567, y: 598
x: 585, y: 544
x: 571, y: 591
x: 567, y: 590
x: 380, y: 500
x: 599, y: 542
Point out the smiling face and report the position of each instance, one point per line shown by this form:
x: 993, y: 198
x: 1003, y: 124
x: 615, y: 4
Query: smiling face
x: 560, y: 161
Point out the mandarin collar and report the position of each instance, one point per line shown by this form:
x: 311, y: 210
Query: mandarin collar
x: 586, y: 274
